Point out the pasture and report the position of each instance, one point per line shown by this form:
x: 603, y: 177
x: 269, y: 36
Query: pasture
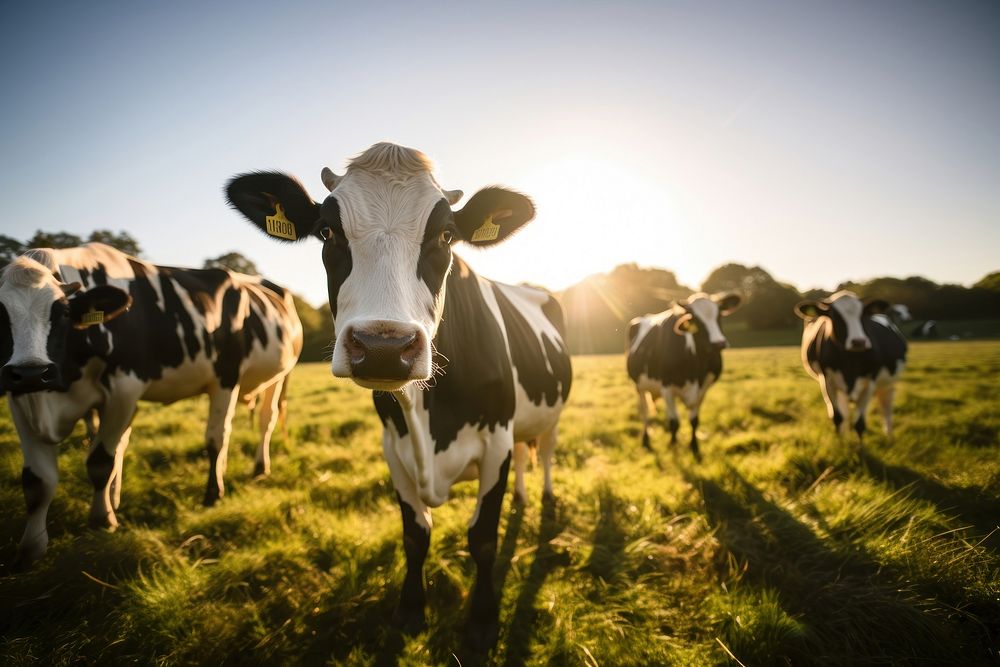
x: 783, y: 545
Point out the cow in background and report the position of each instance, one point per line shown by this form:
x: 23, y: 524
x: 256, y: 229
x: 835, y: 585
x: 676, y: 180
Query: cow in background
x: 462, y: 367
x: 87, y: 332
x: 678, y: 354
x: 853, y: 355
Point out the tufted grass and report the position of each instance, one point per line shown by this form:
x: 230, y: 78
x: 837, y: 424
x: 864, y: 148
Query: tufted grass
x: 783, y: 546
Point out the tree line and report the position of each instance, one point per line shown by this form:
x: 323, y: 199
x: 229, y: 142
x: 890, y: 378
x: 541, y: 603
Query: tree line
x: 599, y: 308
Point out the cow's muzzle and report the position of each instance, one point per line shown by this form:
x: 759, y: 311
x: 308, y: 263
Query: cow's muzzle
x: 26, y: 378
x: 383, y: 356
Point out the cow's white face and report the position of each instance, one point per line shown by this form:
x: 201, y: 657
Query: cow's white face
x: 37, y: 313
x: 387, y: 230
x: 846, y: 313
x: 394, y: 292
x: 701, y: 318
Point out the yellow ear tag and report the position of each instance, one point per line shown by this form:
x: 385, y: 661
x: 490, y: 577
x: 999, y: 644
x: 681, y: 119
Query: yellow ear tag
x: 692, y: 328
x: 92, y: 317
x: 488, y: 232
x: 280, y: 226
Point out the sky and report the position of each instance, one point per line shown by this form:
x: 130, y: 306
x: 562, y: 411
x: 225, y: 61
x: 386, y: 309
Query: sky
x: 824, y: 141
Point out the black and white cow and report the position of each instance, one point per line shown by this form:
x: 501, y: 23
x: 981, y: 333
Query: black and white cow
x: 853, y: 354
x: 678, y: 354
x: 91, y: 329
x: 462, y: 367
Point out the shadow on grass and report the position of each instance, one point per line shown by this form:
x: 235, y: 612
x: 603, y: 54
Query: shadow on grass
x: 609, y: 538
x: 547, y: 559
x: 971, y: 507
x: 852, y: 608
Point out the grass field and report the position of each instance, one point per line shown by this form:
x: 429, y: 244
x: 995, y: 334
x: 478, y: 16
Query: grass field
x: 783, y: 545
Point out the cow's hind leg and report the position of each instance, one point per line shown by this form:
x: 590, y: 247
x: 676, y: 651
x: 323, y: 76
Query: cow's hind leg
x: 269, y: 411
x: 521, y: 456
x: 673, y: 419
x: 646, y: 408
x: 484, y: 614
x: 221, y: 404
x: 105, y: 460
x: 864, y: 398
x: 39, y: 477
x: 546, y: 448
x: 886, y: 394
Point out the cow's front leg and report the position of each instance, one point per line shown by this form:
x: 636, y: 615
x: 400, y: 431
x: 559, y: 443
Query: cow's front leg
x: 673, y: 419
x: 409, y: 615
x: 39, y: 477
x: 105, y: 460
x: 836, y: 403
x: 484, y: 613
x: 864, y: 398
x: 221, y: 405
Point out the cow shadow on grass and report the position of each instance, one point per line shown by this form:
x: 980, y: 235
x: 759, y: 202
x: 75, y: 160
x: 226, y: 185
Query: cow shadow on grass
x: 547, y: 559
x: 971, y: 507
x: 849, y: 605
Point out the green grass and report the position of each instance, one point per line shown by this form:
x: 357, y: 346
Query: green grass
x: 783, y: 546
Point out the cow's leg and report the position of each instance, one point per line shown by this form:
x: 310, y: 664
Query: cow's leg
x: 221, y: 404
x: 484, y: 614
x: 39, y: 477
x: 546, y: 447
x: 645, y: 406
x: 864, y: 397
x: 92, y: 421
x: 836, y: 404
x: 886, y: 394
x: 520, y: 469
x: 116, y: 477
x: 693, y: 411
x: 268, y: 418
x: 104, y: 457
x: 673, y: 419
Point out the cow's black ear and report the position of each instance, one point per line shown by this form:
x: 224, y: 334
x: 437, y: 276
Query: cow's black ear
x: 493, y: 214
x: 810, y: 310
x: 98, y: 305
x: 875, y: 306
x: 728, y: 303
x: 275, y: 203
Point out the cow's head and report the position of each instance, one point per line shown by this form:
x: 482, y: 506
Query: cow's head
x: 37, y: 315
x: 845, y: 312
x: 387, y: 230
x: 702, y: 317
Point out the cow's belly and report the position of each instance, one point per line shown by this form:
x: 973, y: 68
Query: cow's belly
x: 533, y: 419
x: 184, y: 381
x: 690, y: 392
x: 262, y: 367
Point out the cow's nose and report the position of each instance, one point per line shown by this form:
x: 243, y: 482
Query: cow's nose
x: 720, y: 344
x: 376, y: 356
x: 26, y: 378
x: 858, y: 344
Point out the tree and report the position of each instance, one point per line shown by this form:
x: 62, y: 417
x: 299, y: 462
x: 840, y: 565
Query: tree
x: 990, y: 281
x: 53, y: 240
x: 233, y: 261
x: 9, y: 249
x: 122, y: 241
x: 769, y: 304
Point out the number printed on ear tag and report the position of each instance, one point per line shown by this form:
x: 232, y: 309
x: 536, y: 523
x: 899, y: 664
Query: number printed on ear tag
x: 487, y: 232
x: 92, y: 317
x: 280, y: 226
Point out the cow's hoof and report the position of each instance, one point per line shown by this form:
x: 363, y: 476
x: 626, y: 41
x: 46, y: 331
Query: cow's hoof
x: 695, y: 451
x: 210, y: 499
x: 645, y: 442
x: 520, y: 499
x: 103, y: 521
x: 481, y: 637
x: 409, y: 621
x: 260, y: 471
x: 26, y: 558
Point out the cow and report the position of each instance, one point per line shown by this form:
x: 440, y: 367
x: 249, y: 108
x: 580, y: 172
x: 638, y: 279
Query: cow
x: 853, y: 354
x: 678, y: 354
x: 87, y: 332
x: 461, y: 367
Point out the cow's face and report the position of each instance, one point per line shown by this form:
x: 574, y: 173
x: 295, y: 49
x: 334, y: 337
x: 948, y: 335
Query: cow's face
x: 845, y: 312
x: 387, y: 230
x: 37, y: 314
x: 702, y: 318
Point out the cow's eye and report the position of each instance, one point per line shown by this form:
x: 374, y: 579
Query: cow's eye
x: 447, y: 237
x: 326, y: 233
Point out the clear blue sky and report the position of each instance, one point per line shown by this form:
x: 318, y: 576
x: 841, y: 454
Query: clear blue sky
x: 824, y: 141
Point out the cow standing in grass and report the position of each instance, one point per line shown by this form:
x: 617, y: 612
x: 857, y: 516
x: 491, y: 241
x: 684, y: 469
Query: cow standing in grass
x: 678, y: 354
x: 853, y: 354
x: 462, y: 367
x: 90, y: 331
